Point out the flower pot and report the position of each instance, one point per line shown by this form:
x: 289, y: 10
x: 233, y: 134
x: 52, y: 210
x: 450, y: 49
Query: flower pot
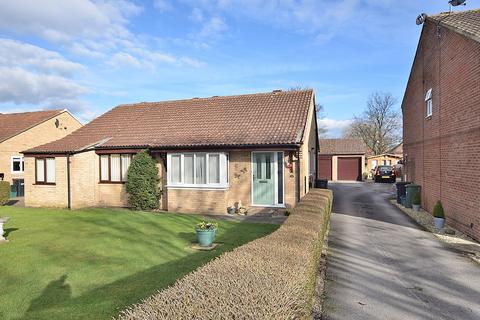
x: 232, y: 210
x: 439, y: 222
x: 416, y: 207
x: 206, y: 237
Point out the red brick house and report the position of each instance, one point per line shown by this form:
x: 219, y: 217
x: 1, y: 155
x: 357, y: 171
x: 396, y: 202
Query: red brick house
x: 441, y: 118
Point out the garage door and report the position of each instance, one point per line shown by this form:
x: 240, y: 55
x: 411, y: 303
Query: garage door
x: 349, y: 169
x: 325, y: 167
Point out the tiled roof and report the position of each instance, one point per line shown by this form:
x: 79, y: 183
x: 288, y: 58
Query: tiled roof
x: 342, y: 146
x: 12, y: 124
x: 274, y: 118
x: 463, y: 22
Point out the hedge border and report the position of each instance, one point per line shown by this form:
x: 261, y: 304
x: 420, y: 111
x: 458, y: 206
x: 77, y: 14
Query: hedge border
x: 4, y: 192
x: 269, y: 278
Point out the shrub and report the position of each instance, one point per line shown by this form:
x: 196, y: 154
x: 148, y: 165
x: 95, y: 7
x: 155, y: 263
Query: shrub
x: 438, y: 210
x: 142, y: 183
x: 4, y: 192
x: 269, y: 278
x: 416, y: 199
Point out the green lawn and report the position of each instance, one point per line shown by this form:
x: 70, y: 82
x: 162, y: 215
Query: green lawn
x: 91, y: 264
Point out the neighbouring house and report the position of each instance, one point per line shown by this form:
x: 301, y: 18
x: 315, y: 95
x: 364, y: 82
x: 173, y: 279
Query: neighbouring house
x: 392, y: 157
x: 441, y: 118
x: 341, y: 159
x: 21, y: 131
x: 212, y: 153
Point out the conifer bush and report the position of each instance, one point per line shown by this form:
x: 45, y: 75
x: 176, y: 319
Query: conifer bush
x: 142, y: 183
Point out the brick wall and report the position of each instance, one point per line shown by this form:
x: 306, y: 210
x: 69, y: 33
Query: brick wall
x: 240, y: 186
x: 442, y: 152
x: 86, y: 191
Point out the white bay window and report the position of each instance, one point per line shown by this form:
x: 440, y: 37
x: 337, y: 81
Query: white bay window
x: 198, y: 170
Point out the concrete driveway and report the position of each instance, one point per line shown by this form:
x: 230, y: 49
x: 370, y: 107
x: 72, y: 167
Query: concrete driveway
x: 382, y: 266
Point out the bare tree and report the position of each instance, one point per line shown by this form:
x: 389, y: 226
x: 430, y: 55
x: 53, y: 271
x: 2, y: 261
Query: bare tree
x: 320, y: 115
x: 379, y: 126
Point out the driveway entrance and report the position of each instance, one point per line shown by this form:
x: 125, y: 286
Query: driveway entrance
x: 383, y: 266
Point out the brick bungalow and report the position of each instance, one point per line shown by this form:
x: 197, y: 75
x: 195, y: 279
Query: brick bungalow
x: 211, y: 153
x: 341, y: 159
x: 441, y: 117
x: 21, y: 131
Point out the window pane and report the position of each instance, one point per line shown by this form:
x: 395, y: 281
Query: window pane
x: 280, y: 177
x: 51, y: 170
x: 115, y: 167
x: 213, y: 168
x: 175, y: 170
x: 104, y: 168
x: 259, y: 166
x: 17, y: 164
x: 126, y: 160
x: 188, y: 168
x: 268, y: 169
x: 200, y: 168
x: 40, y: 170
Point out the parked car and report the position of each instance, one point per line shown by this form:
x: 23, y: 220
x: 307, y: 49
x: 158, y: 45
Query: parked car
x: 385, y: 173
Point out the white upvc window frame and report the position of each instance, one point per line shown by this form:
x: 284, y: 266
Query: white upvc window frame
x: 224, y: 172
x: 22, y: 168
x: 428, y: 104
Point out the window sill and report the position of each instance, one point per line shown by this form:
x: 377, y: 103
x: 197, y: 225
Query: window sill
x: 200, y: 187
x: 112, y: 182
x: 44, y: 184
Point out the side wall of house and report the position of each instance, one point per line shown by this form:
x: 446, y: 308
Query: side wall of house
x: 308, y: 149
x: 38, y: 135
x: 442, y: 151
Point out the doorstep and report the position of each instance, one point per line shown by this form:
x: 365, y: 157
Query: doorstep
x: 451, y: 236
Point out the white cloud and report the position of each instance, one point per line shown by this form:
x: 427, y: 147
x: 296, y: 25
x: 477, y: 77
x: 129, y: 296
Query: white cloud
x: 20, y: 86
x: 58, y: 20
x: 19, y: 54
x: 123, y: 59
x: 162, y: 5
x: 213, y: 28
x: 335, y: 128
x: 320, y: 18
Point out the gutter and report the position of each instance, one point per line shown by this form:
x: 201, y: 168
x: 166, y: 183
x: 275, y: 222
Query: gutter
x: 69, y: 196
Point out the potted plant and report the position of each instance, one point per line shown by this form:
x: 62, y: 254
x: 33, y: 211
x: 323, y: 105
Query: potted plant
x: 416, y: 201
x: 438, y: 215
x: 206, y: 232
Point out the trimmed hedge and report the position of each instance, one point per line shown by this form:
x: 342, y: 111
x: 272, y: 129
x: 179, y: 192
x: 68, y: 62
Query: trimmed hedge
x: 269, y: 278
x: 4, y: 192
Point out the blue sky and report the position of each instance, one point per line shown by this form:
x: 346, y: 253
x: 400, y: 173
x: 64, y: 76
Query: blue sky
x: 89, y: 56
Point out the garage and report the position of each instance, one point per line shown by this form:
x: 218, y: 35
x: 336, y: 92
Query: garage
x: 325, y: 167
x: 349, y: 168
x: 341, y: 159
